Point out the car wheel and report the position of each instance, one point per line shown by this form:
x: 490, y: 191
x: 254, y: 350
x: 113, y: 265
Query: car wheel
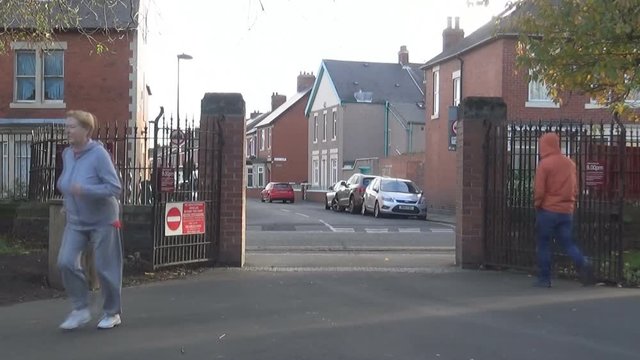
x: 261, y: 198
x: 376, y: 211
x: 335, y: 206
x: 352, y: 206
x: 326, y: 203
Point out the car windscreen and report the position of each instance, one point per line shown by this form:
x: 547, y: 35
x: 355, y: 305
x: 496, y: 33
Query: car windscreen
x: 282, y: 186
x: 366, y: 181
x: 398, y: 186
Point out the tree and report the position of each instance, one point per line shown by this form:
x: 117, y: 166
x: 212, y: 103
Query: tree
x: 586, y: 46
x: 40, y: 20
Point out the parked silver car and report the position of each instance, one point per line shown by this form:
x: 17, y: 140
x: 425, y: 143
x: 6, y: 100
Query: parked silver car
x: 393, y: 196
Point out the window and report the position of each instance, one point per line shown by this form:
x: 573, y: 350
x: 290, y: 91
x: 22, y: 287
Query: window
x: 39, y: 75
x: 260, y: 176
x: 334, y: 170
x: 456, y: 88
x: 4, y: 177
x: 324, y: 171
x: 26, y: 75
x: 539, y: 96
x: 253, y: 146
x: 316, y: 172
x: 335, y: 125
x: 538, y: 91
x: 315, y: 128
x: 324, y: 127
x: 268, y: 138
x: 262, y: 138
x: 249, y: 177
x: 436, y: 94
x: 22, y: 163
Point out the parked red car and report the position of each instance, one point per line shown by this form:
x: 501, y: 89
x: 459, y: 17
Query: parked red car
x: 277, y: 191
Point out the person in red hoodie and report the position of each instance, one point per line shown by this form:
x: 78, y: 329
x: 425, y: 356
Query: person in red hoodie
x: 556, y: 188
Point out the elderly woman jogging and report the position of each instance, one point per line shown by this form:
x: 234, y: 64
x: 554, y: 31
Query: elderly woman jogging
x: 90, y: 187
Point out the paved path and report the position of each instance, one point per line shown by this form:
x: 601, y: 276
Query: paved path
x: 445, y: 313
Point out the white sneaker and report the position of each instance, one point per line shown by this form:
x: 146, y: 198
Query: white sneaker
x: 76, y: 319
x: 109, y: 322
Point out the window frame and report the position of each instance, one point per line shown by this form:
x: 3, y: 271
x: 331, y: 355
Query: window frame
x: 335, y: 125
x: 315, y: 171
x: 315, y: 128
x: 457, y: 87
x: 39, y: 49
x: 324, y: 127
x: 436, y: 93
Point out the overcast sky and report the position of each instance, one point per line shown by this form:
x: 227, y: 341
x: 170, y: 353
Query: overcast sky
x: 259, y: 47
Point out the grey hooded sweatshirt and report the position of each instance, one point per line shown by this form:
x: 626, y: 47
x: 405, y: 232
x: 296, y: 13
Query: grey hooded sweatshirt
x: 91, y: 169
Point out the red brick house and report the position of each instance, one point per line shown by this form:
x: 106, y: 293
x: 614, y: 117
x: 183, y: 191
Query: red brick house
x: 281, y: 137
x: 482, y: 64
x: 39, y: 82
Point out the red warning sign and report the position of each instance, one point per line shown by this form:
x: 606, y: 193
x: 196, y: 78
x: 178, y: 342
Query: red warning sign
x: 185, y: 218
x: 193, y: 219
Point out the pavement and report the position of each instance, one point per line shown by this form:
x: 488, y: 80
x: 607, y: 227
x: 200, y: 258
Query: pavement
x: 442, y: 313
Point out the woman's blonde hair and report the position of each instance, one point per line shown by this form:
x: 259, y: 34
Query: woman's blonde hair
x: 86, y: 119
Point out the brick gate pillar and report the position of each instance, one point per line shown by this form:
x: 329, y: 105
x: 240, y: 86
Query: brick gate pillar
x: 477, y: 115
x: 222, y: 161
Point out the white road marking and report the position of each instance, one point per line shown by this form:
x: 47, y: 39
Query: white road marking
x: 327, y: 225
x: 376, y: 231
x: 409, y: 230
x: 344, y: 230
x: 442, y: 230
x: 285, y: 210
x: 303, y: 215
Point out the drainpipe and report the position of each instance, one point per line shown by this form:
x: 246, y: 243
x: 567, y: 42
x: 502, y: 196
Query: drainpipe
x: 386, y: 128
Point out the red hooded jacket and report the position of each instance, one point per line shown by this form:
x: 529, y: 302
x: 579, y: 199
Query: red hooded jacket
x: 556, y: 185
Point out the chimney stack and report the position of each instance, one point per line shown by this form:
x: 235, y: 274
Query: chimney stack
x: 452, y: 36
x: 255, y: 114
x: 403, y: 56
x: 277, y: 100
x: 305, y: 81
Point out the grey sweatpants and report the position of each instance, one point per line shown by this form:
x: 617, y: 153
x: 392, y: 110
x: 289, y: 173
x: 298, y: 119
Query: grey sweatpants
x: 107, y: 251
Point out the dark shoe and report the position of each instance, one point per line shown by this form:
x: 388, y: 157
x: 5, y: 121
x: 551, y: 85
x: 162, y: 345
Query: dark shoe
x: 586, y: 275
x: 542, y: 283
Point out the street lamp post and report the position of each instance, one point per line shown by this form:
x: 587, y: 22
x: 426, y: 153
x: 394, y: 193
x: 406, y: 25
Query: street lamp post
x: 180, y: 57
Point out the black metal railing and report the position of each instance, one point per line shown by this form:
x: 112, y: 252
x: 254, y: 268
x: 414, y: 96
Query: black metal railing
x: 607, y: 157
x: 31, y: 160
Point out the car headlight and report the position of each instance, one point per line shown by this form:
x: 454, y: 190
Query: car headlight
x: 384, y: 198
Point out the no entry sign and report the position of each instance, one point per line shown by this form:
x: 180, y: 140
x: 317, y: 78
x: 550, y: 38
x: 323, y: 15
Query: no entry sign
x: 185, y: 218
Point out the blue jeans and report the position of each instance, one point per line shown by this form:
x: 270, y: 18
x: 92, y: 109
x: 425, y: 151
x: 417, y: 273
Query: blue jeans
x: 559, y: 226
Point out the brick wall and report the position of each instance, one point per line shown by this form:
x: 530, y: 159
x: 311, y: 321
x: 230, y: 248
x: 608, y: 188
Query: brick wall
x: 96, y: 83
x: 290, y: 142
x: 516, y: 94
x: 409, y: 166
x: 226, y: 113
x: 477, y: 114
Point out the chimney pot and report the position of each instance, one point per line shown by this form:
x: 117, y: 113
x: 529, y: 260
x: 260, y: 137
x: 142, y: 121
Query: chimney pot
x: 451, y: 36
x: 403, y: 56
x: 305, y: 81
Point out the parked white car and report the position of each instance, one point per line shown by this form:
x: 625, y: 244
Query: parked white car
x: 393, y: 196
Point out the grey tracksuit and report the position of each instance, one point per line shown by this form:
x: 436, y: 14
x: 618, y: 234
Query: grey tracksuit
x: 90, y: 220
